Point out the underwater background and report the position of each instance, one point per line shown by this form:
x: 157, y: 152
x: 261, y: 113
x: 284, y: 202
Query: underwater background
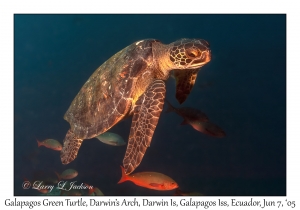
x: 242, y: 89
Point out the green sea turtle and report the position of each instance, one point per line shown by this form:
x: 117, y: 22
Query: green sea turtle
x: 132, y: 83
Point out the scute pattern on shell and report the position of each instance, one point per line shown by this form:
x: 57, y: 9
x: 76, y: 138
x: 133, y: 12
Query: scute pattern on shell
x: 107, y: 95
x: 147, y: 111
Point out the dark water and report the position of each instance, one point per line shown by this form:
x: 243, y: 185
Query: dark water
x: 242, y: 89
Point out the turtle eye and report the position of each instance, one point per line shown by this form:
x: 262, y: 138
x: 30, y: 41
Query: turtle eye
x: 192, y: 53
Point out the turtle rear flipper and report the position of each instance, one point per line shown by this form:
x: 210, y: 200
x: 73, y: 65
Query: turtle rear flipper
x: 70, y: 148
x: 146, y: 113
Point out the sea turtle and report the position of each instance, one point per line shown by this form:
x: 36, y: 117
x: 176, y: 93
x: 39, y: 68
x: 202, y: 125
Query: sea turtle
x: 132, y: 82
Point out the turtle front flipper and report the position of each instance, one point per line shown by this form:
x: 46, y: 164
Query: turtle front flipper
x: 185, y: 80
x: 146, y: 113
x: 70, y: 148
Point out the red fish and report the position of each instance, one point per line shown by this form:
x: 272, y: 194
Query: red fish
x: 188, y: 113
x: 150, y: 180
x: 93, y: 190
x: 208, y: 128
x: 90, y: 188
x: 51, y: 144
x: 198, y: 120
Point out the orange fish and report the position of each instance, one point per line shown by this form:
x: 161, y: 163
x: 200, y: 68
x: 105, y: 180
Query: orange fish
x: 43, y: 191
x: 67, y: 174
x: 188, y: 113
x: 51, y: 144
x: 90, y: 188
x: 150, y: 180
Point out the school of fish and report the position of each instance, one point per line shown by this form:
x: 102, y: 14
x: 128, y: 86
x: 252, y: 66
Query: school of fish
x: 150, y: 180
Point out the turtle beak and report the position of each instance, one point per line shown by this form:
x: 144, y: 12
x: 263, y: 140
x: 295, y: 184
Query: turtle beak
x: 202, y: 60
x: 206, y: 55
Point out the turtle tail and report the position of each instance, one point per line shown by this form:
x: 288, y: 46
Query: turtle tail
x: 70, y: 148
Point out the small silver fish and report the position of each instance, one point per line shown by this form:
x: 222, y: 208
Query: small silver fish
x: 111, y: 139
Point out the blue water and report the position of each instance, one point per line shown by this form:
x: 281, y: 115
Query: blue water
x: 54, y: 55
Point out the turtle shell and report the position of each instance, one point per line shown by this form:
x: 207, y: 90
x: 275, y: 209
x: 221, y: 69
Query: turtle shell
x: 106, y: 97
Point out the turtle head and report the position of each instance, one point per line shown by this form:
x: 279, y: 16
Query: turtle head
x: 189, y: 53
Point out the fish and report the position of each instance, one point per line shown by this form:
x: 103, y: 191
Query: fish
x: 198, y: 120
x: 50, y: 143
x: 111, y: 139
x: 208, y: 128
x: 43, y: 191
x: 93, y: 190
x: 67, y: 174
x: 90, y: 188
x: 97, y: 191
x: 188, y: 113
x: 73, y: 192
x: 150, y: 180
x: 179, y: 192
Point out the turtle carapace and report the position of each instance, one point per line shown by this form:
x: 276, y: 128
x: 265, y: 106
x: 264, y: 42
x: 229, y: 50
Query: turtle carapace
x: 132, y: 82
